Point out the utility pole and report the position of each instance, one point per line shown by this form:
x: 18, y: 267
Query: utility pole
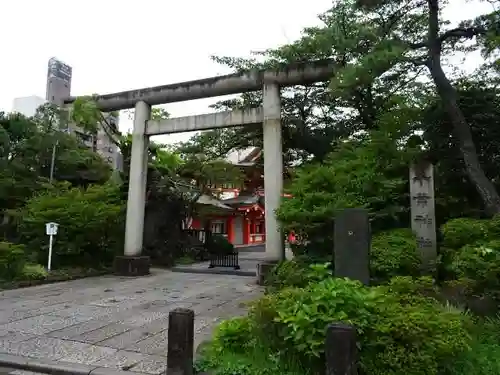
x: 53, y: 162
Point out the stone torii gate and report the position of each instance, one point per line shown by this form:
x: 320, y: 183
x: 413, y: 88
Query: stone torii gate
x: 133, y: 263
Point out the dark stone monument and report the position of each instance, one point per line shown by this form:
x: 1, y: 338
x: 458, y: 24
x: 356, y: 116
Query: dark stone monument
x: 131, y: 266
x: 341, y: 352
x: 180, y: 342
x: 352, y: 245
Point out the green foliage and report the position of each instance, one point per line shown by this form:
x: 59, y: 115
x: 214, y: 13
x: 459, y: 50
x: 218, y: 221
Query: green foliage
x: 394, y: 253
x: 483, y: 358
x: 297, y: 274
x: 463, y: 231
x: 218, y: 244
x: 233, y: 334
x: 367, y: 172
x: 480, y: 263
x: 33, y: 272
x: 397, y: 335
x: 90, y: 225
x: 12, y: 260
x: 255, y: 361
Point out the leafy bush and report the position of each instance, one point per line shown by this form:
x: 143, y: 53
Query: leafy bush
x: 233, y: 334
x: 218, y: 244
x: 365, y: 172
x: 296, y: 273
x: 479, y: 263
x: 394, y: 253
x: 33, y: 272
x: 397, y: 335
x: 90, y: 225
x: 462, y: 231
x: 255, y: 361
x: 483, y: 358
x: 12, y: 260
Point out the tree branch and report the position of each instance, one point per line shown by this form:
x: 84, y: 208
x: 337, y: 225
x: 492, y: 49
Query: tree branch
x: 462, y: 32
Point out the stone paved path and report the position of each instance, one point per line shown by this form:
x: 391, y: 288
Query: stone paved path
x: 115, y: 322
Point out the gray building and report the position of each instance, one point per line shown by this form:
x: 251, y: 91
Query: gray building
x: 59, y: 77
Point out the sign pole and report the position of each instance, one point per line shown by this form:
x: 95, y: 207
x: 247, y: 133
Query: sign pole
x: 51, y: 239
x: 51, y: 231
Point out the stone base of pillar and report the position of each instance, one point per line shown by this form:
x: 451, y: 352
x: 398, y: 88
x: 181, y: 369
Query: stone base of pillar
x: 263, y: 270
x: 131, y: 266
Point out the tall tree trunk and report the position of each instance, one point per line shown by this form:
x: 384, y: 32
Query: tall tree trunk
x: 463, y: 135
x: 461, y: 129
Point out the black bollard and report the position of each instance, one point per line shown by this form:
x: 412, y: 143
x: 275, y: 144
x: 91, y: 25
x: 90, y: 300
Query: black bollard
x: 341, y: 352
x: 180, y: 342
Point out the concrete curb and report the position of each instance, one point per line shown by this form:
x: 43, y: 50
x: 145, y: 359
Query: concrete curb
x: 56, y: 368
x: 212, y: 271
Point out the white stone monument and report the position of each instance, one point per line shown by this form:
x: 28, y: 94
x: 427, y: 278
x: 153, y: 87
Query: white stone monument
x: 423, y: 217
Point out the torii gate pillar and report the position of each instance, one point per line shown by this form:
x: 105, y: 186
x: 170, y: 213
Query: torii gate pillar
x: 273, y: 170
x: 133, y: 263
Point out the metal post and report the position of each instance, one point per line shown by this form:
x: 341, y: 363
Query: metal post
x: 51, y: 242
x: 53, y: 161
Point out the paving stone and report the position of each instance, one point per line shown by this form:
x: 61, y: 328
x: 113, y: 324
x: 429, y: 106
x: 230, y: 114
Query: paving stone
x: 57, y: 349
x: 126, y: 339
x: 122, y: 360
x: 85, y: 311
x: 83, y: 321
x: 156, y: 344
x: 145, y: 318
x: 6, y: 342
x: 102, y: 333
x: 151, y: 365
x: 111, y: 301
x: 156, y: 326
x: 42, y: 324
x: 88, y: 354
x: 79, y: 329
x: 202, y: 323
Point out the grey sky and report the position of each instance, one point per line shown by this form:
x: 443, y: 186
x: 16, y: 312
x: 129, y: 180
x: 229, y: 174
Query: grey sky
x: 116, y: 45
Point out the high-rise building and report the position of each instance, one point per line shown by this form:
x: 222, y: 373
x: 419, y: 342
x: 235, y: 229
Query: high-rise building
x: 27, y: 105
x: 59, y: 88
x: 58, y: 81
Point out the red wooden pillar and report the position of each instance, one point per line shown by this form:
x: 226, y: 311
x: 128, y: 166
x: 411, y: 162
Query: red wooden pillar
x: 230, y: 231
x: 246, y: 230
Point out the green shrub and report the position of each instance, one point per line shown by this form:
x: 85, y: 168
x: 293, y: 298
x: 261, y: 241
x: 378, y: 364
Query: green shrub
x: 33, y: 272
x: 91, y: 225
x: 296, y: 273
x: 218, y: 244
x: 12, y: 260
x: 233, y: 334
x: 483, y: 358
x: 494, y: 227
x: 463, y: 231
x: 256, y: 360
x: 365, y: 172
x: 394, y: 253
x: 480, y: 263
x: 413, y: 336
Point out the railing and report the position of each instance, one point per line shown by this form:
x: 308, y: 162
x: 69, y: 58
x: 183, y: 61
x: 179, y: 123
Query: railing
x: 225, y: 260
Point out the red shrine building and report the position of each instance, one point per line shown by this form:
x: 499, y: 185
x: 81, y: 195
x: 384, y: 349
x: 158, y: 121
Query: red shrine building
x: 242, y: 220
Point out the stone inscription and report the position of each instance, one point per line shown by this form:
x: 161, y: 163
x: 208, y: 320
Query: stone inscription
x: 423, y: 218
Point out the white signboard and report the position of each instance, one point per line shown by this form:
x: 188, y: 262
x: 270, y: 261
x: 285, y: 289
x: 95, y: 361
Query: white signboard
x: 51, y: 229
